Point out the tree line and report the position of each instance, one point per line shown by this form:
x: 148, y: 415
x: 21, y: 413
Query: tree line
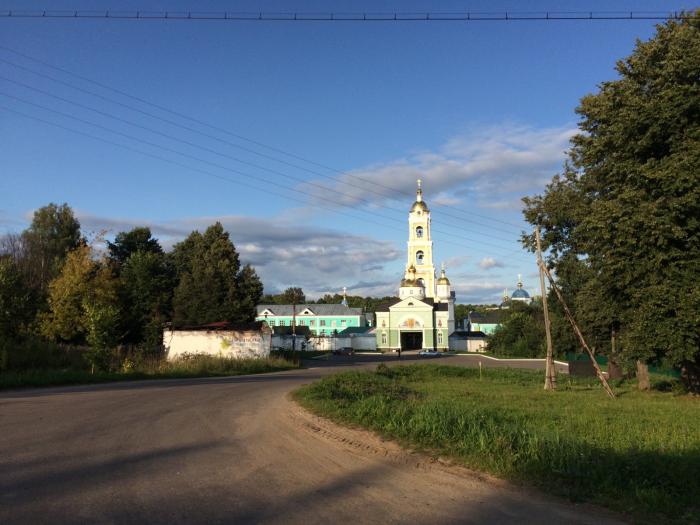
x: 58, y: 287
x: 621, y: 222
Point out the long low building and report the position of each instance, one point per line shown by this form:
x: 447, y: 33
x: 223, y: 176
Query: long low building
x: 321, y: 319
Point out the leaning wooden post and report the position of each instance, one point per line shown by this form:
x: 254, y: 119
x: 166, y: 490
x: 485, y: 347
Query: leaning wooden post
x: 550, y: 372
x: 570, y: 317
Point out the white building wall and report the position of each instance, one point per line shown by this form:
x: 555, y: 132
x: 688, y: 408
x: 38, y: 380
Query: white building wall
x: 224, y: 343
x: 364, y: 342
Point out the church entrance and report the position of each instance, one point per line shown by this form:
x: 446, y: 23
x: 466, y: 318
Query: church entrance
x: 411, y: 340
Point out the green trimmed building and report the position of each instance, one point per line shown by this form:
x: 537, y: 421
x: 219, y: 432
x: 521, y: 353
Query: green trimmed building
x: 321, y: 319
x: 423, y: 315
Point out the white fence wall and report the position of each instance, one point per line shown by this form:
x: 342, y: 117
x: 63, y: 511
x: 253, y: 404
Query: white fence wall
x: 224, y: 343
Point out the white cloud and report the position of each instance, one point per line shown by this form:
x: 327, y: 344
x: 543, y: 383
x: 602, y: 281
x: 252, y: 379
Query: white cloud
x: 492, y: 167
x: 317, y: 259
x: 489, y: 262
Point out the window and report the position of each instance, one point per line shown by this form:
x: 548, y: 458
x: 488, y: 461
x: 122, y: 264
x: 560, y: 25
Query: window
x: 343, y: 322
x: 419, y: 231
x: 281, y: 322
x: 312, y: 322
x: 302, y: 322
x: 439, y: 334
x: 333, y: 323
x: 419, y: 257
x: 421, y: 282
x: 383, y: 338
x: 383, y: 323
x: 322, y: 322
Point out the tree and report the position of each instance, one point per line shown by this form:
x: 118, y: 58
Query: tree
x: 54, y: 231
x: 211, y: 285
x: 127, y: 243
x: 293, y: 295
x: 521, y: 334
x: 83, y: 287
x: 16, y: 300
x: 146, y: 287
x: 627, y: 206
x: 250, y: 289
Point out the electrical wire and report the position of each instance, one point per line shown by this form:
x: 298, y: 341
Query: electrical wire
x: 238, y: 136
x: 219, y: 166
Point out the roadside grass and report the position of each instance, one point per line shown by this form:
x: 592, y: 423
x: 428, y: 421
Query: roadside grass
x: 157, y: 368
x: 639, y: 453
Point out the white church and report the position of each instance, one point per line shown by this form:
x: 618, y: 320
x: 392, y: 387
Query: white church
x: 423, y: 317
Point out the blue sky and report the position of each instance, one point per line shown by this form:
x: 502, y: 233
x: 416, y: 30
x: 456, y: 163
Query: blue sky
x: 481, y: 111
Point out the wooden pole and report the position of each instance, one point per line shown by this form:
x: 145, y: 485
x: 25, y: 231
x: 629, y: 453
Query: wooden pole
x: 550, y: 373
x: 585, y: 346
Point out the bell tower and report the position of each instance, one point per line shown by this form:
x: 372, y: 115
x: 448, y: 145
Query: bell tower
x: 420, y: 244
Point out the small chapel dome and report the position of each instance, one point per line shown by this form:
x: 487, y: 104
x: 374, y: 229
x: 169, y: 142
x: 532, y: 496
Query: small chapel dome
x: 443, y: 280
x: 520, y: 294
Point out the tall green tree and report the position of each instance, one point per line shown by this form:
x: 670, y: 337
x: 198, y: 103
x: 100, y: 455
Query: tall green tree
x: 127, y: 243
x: 146, y: 285
x: 16, y: 300
x: 211, y: 286
x: 249, y: 289
x: 54, y: 231
x: 627, y: 206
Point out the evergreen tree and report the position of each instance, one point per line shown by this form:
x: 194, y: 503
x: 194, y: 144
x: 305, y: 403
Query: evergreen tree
x: 249, y: 288
x: 127, y: 243
x: 16, y: 300
x: 146, y: 287
x: 208, y: 267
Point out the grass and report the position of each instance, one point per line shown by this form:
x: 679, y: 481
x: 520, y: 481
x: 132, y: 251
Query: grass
x: 639, y: 454
x: 192, y: 366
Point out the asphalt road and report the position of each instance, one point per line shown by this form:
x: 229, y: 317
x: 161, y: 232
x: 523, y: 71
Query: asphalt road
x: 232, y: 450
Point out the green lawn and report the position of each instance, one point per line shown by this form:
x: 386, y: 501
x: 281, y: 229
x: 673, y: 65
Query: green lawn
x: 639, y: 453
x: 197, y: 366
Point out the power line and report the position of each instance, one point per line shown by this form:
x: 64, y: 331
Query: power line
x: 241, y: 137
x: 301, y: 16
x: 198, y: 146
x: 363, y: 187
x: 219, y: 166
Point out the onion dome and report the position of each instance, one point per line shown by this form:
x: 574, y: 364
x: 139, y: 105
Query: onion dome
x: 410, y: 283
x: 419, y: 204
x: 520, y: 293
x: 443, y: 278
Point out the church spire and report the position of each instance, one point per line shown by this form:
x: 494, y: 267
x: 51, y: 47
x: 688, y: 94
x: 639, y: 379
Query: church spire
x: 344, y: 302
x: 419, y: 191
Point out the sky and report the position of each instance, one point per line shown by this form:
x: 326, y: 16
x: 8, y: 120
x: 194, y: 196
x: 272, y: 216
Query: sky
x: 304, y: 139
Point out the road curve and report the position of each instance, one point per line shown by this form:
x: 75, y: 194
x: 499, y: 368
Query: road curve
x: 230, y: 450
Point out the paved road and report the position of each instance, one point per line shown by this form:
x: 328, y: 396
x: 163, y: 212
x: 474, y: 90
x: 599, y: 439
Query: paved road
x: 230, y: 450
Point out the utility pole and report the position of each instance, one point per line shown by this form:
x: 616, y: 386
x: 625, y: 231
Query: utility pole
x: 577, y: 331
x: 550, y: 372
x: 294, y: 326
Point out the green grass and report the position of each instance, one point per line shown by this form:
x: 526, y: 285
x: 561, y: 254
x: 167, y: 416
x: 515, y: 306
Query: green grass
x: 638, y: 454
x: 194, y: 366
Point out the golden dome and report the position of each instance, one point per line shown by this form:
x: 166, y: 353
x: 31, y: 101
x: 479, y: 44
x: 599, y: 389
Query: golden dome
x: 410, y: 283
x: 443, y: 280
x: 419, y: 205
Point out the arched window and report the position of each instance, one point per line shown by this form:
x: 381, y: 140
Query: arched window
x: 419, y: 231
x: 419, y: 257
x: 421, y: 282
